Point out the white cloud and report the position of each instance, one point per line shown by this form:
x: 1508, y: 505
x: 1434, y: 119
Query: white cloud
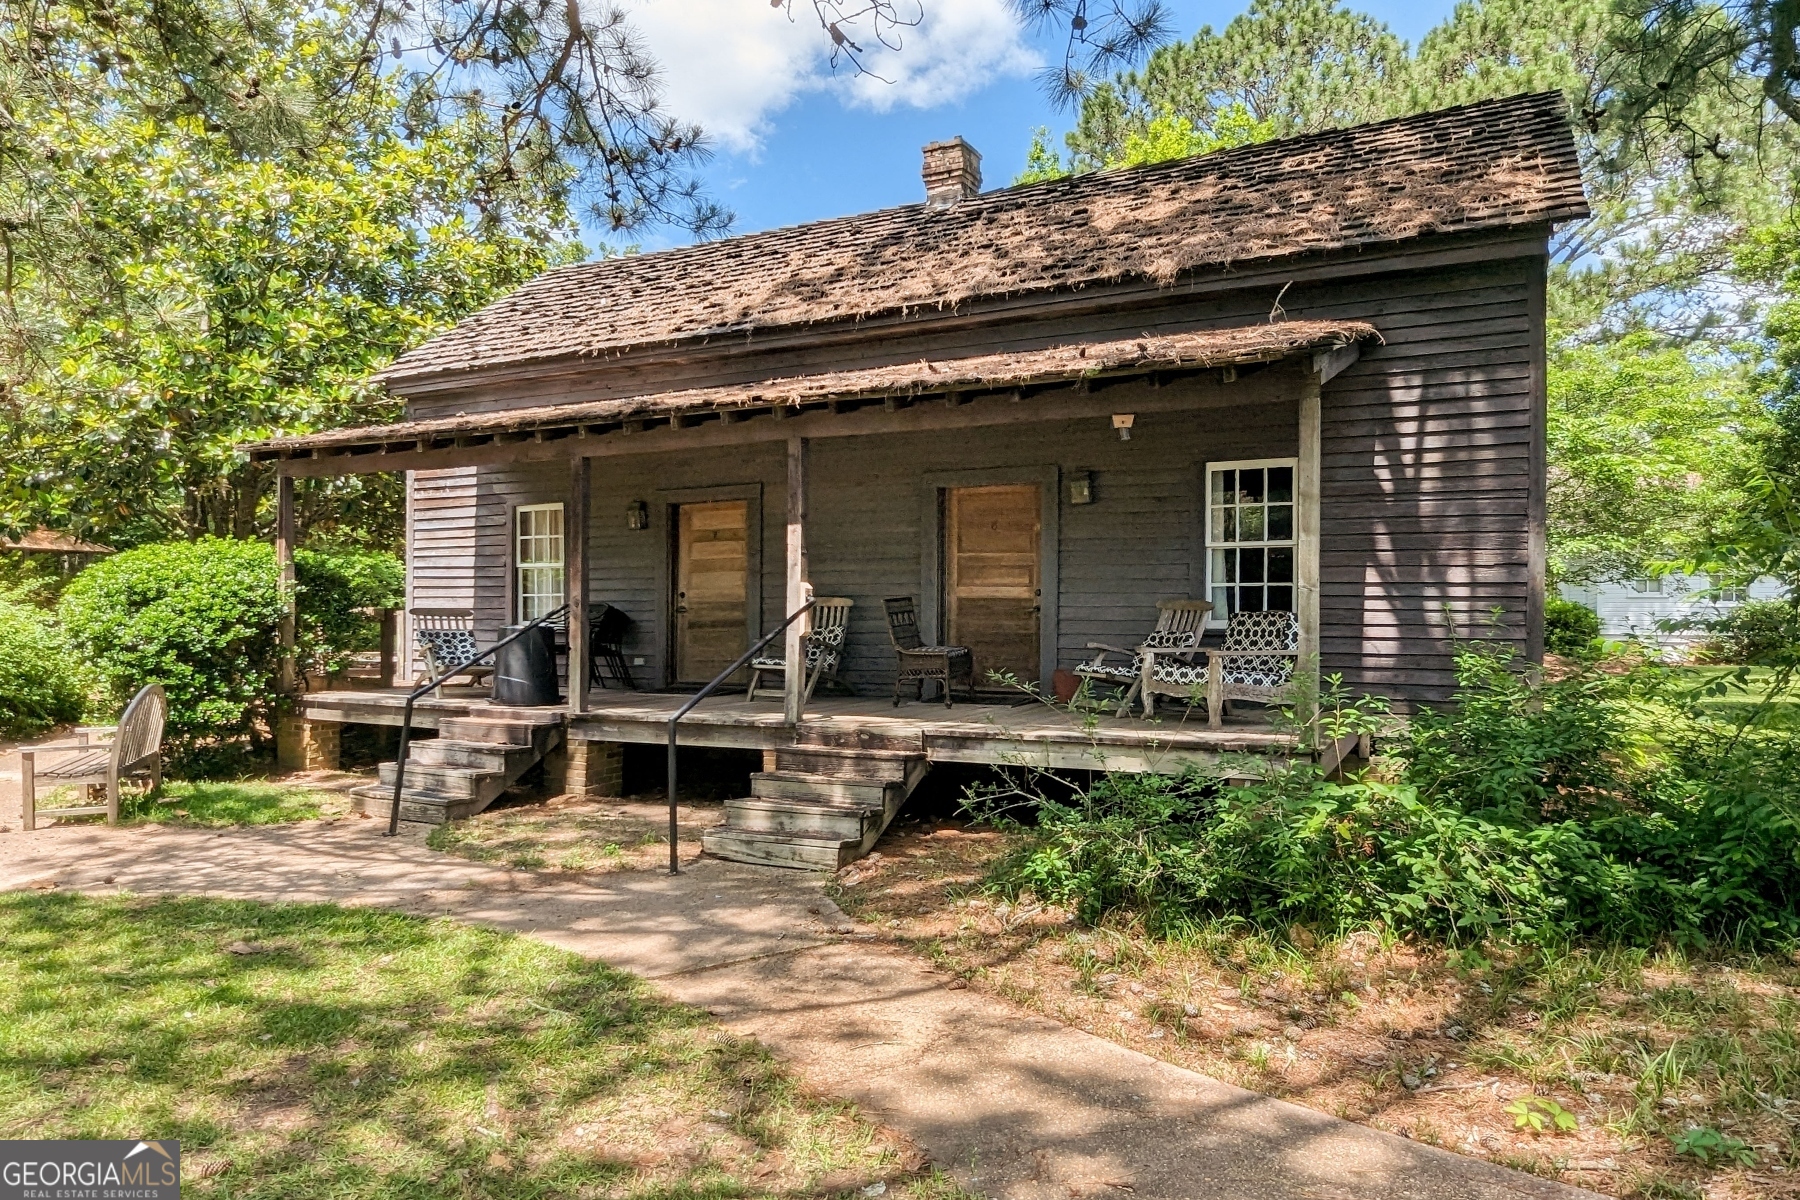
x: 961, y: 46
x: 732, y: 65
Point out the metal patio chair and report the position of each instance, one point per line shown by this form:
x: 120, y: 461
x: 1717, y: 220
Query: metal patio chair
x: 607, y: 628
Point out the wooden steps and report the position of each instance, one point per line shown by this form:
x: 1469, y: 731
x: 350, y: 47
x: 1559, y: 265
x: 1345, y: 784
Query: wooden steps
x: 475, y: 758
x: 825, y: 804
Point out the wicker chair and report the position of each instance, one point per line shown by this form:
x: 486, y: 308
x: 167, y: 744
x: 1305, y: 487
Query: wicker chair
x: 1179, y: 624
x: 1256, y: 663
x: 99, y: 758
x: 948, y: 665
x: 824, y: 647
x: 446, y: 636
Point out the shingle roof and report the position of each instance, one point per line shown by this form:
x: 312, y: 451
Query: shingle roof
x: 1491, y: 165
x: 1238, y: 346
x: 50, y: 541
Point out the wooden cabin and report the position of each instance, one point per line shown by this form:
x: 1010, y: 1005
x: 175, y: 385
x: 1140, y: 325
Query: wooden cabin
x: 1302, y: 376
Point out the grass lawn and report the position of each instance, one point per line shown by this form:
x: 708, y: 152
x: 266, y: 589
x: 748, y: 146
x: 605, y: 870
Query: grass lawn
x: 577, y: 835
x: 1736, y: 704
x: 311, y: 1050
x: 1639, y: 1048
x: 238, y: 802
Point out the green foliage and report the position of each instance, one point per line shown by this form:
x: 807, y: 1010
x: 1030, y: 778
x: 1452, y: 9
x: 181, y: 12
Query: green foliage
x: 40, y: 682
x: 1537, y: 1113
x: 171, y: 290
x: 1756, y: 633
x: 202, y: 618
x: 334, y: 594
x: 1647, y: 443
x: 1570, y: 629
x: 1535, y: 811
x: 1710, y: 1146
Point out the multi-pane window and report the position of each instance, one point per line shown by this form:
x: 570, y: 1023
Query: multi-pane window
x: 1250, y: 536
x: 538, y: 551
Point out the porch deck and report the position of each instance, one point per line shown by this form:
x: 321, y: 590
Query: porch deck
x: 986, y: 734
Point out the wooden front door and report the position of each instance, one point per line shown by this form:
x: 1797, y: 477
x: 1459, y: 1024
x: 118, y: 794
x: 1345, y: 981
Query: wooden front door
x: 712, y: 587
x: 992, y: 577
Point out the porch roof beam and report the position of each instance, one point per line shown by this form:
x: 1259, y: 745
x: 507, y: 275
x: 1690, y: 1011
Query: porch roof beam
x: 1199, y: 388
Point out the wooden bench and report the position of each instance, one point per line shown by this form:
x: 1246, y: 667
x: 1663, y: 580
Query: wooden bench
x: 98, y: 757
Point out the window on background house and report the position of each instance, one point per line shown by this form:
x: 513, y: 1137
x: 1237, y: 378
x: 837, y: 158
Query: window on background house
x: 538, y: 551
x: 1250, y: 536
x: 1649, y: 585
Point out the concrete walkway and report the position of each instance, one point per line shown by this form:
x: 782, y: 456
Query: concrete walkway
x: 1012, y: 1104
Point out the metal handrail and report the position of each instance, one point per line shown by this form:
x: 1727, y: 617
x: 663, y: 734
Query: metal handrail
x: 703, y: 693
x: 406, y: 719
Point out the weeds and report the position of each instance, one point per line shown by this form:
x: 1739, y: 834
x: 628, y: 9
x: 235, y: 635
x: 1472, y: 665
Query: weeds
x: 1587, y: 808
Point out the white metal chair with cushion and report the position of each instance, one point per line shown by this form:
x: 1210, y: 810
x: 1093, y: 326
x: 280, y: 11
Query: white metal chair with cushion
x: 99, y: 757
x: 1256, y: 663
x: 824, y: 647
x: 1179, y: 624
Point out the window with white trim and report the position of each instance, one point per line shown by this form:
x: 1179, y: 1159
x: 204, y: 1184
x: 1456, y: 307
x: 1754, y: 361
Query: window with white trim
x: 538, y: 553
x: 1250, y: 536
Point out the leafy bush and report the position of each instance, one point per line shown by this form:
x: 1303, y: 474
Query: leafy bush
x: 1760, y: 632
x: 1570, y: 629
x: 333, y: 593
x: 1529, y: 811
x: 40, y: 682
x: 202, y: 618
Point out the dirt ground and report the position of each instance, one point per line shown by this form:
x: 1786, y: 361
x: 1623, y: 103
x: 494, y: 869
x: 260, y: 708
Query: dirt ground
x: 575, y: 835
x: 1412, y: 1042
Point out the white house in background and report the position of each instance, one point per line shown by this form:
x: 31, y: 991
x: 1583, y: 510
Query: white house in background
x: 1636, y: 608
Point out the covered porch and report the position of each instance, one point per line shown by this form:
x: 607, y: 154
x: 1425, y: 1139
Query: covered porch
x: 1028, y: 504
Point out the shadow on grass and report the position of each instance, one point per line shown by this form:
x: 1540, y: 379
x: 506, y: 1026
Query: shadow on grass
x: 316, y: 1050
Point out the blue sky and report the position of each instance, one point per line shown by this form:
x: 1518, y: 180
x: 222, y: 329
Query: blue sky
x: 795, y: 143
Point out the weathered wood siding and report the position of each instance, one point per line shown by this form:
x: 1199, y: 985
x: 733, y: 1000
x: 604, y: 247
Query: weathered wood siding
x: 1431, y: 454
x: 441, y: 536
x: 1432, y: 474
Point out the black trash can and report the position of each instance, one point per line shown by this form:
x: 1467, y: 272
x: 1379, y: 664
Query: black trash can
x: 525, y: 670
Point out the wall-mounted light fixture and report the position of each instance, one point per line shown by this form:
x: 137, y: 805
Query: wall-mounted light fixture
x: 1081, y: 487
x: 637, y: 515
x: 1122, y: 423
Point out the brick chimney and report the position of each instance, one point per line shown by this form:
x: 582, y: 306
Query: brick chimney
x: 952, y: 172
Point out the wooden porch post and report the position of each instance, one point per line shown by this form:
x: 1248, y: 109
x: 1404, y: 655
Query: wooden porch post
x: 1306, y: 531
x: 575, y: 568
x: 794, y: 644
x: 288, y: 681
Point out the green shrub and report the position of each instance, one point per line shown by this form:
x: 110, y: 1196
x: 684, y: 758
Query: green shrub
x: 333, y: 595
x: 1571, y: 630
x: 1758, y: 633
x: 40, y: 682
x: 1587, y: 807
x: 203, y: 618
x: 200, y: 618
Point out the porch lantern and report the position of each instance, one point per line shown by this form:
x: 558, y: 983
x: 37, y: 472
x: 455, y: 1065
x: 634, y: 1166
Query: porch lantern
x: 1122, y: 422
x: 637, y: 515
